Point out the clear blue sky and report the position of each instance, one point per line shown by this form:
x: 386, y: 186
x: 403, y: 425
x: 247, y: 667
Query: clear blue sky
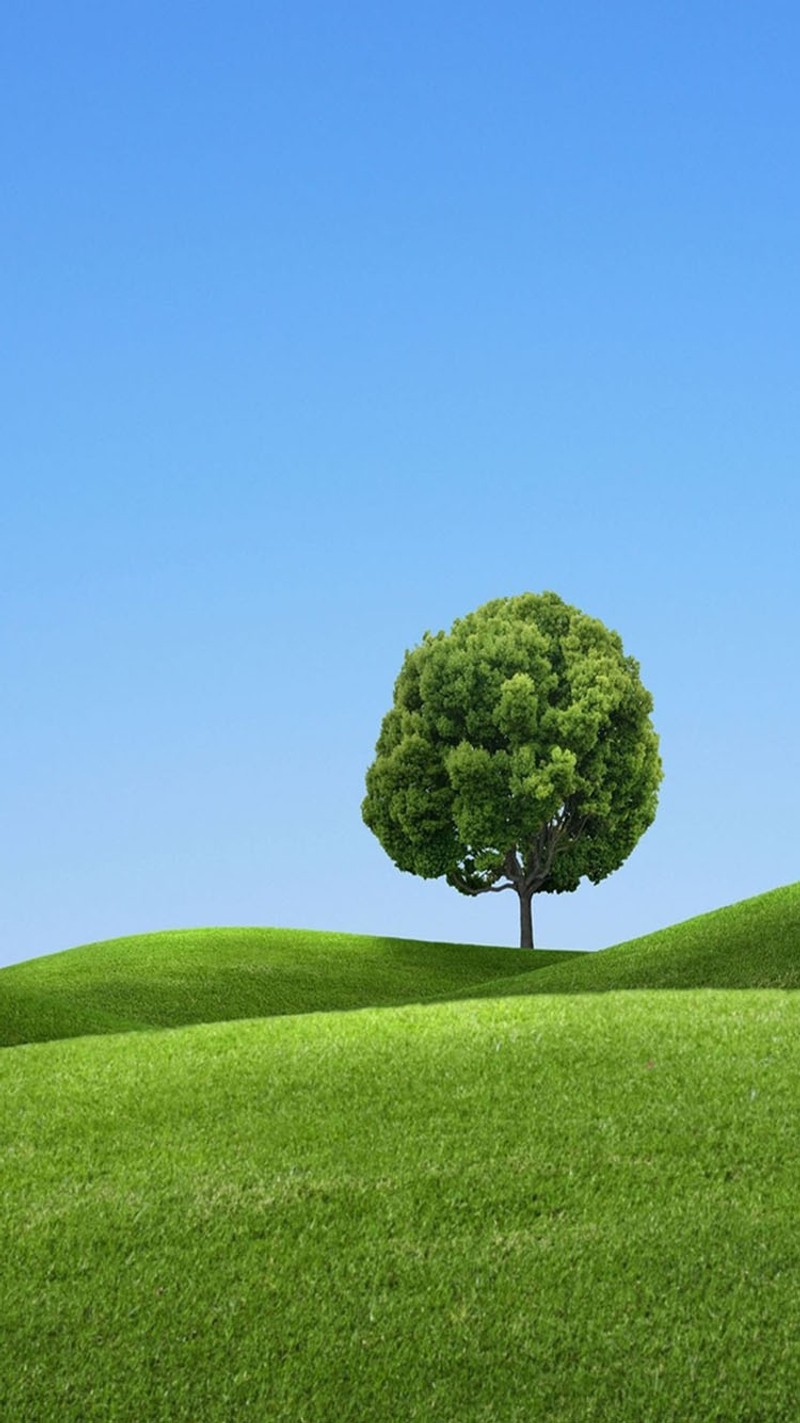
x: 323, y: 325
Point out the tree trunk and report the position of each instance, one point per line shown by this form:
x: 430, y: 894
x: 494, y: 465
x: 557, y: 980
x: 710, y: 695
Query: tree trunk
x: 525, y: 918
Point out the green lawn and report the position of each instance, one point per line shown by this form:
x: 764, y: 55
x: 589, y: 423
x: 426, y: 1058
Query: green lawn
x: 181, y: 976
x: 565, y: 1201
x: 753, y: 944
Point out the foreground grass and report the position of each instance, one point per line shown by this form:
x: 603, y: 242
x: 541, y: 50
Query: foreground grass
x: 519, y: 1209
x: 182, y: 976
x: 574, y: 1203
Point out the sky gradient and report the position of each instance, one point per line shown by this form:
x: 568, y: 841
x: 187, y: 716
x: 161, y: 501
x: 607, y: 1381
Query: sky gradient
x: 320, y: 330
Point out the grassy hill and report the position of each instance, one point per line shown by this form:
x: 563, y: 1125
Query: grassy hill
x: 182, y: 976
x: 574, y: 1205
x: 753, y: 944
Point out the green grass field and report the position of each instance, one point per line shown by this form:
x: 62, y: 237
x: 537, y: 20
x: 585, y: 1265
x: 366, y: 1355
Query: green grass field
x: 183, y: 976
x: 295, y: 1177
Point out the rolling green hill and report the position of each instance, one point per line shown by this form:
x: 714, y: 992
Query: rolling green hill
x: 752, y: 944
x: 183, y: 976
x: 180, y: 976
x: 570, y: 1205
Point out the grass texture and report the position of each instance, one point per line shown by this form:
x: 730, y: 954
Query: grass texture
x: 752, y: 944
x: 181, y: 976
x: 572, y: 1205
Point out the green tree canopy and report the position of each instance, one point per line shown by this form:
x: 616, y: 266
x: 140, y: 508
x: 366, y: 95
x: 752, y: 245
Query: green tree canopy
x: 519, y: 754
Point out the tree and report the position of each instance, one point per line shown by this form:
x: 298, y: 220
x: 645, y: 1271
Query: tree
x: 518, y: 754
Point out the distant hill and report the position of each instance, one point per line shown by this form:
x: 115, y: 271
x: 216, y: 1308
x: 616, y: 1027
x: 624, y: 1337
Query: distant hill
x: 182, y: 976
x: 752, y: 944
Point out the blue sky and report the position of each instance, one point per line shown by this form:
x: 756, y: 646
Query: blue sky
x: 319, y: 330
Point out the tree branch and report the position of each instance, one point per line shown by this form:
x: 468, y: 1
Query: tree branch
x: 528, y: 872
x: 550, y: 840
x: 474, y: 884
x: 511, y: 865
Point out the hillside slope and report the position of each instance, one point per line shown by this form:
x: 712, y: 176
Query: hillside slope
x: 183, y: 976
x: 571, y: 1208
x: 752, y: 944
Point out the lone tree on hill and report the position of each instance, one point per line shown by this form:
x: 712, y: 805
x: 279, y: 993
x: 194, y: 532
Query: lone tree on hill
x: 519, y: 754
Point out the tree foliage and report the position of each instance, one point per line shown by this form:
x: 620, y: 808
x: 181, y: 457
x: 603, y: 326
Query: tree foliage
x: 518, y: 754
